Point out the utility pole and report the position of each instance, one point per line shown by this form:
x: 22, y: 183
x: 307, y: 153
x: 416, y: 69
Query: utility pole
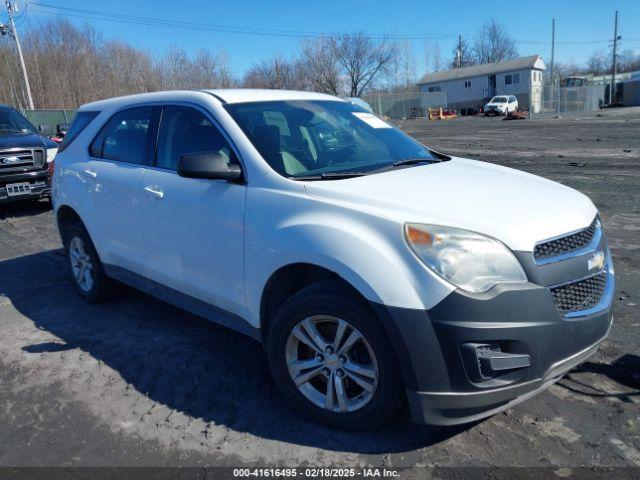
x: 612, y: 87
x: 12, y: 7
x: 553, y: 45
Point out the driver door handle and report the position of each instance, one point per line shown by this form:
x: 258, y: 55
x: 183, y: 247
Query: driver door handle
x: 154, y: 192
x: 89, y: 172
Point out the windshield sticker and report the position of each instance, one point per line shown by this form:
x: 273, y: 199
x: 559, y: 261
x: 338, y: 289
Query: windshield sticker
x: 371, y: 120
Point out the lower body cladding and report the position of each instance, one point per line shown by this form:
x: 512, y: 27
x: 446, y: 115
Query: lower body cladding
x: 24, y: 186
x: 474, y: 355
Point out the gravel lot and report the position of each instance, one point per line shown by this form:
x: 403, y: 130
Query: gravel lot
x: 137, y: 382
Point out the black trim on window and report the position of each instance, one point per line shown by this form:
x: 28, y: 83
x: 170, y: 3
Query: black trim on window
x: 235, y: 156
x: 97, y: 151
x: 80, y: 122
x: 152, y: 136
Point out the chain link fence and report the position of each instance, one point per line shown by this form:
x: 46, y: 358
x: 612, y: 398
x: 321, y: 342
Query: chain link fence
x: 570, y: 100
x: 47, y: 121
x: 405, y: 105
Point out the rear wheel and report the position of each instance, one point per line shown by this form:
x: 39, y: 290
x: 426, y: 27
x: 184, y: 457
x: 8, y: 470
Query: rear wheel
x: 332, y: 360
x: 85, y: 267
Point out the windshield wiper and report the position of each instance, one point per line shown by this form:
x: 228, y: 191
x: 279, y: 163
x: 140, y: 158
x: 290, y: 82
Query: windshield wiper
x: 340, y: 175
x: 403, y: 163
x: 14, y: 130
x: 412, y: 161
x: 328, y: 176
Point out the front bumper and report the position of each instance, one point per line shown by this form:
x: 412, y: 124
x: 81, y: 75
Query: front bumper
x: 452, y: 408
x: 38, y: 179
x: 442, y: 387
x: 494, y: 111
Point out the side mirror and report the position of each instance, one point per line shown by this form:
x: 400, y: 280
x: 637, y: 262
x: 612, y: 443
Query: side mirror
x: 209, y: 165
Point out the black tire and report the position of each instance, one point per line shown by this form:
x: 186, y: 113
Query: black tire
x: 101, y: 285
x: 331, y: 298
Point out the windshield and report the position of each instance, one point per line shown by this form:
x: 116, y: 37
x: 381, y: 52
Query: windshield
x: 304, y: 138
x: 499, y: 100
x: 12, y: 122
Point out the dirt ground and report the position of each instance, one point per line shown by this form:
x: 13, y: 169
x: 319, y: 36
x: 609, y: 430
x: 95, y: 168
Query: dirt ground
x: 136, y: 382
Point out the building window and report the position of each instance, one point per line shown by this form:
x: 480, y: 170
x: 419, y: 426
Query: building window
x: 467, y: 84
x: 434, y: 89
x: 508, y: 79
x: 516, y: 78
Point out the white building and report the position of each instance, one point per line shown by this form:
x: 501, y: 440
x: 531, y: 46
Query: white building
x: 474, y: 86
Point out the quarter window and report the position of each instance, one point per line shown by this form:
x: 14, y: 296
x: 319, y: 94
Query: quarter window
x: 80, y: 122
x: 187, y: 130
x: 124, y: 138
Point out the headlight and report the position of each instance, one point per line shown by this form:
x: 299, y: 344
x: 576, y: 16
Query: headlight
x: 468, y: 260
x: 51, y: 154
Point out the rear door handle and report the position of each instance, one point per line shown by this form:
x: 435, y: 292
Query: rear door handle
x: 91, y: 173
x: 154, y: 192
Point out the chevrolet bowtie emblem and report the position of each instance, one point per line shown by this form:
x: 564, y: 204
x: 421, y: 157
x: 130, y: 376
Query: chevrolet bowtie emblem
x: 596, y: 262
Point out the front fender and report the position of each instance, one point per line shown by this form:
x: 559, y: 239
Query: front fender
x: 368, y: 253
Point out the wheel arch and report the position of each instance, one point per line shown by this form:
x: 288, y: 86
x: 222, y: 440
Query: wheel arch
x: 294, y: 277
x: 290, y: 279
x: 65, y: 215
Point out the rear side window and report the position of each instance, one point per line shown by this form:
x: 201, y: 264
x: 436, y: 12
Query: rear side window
x: 125, y: 136
x: 80, y: 122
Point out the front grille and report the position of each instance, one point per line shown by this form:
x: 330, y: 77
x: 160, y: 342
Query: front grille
x: 570, y: 243
x: 582, y: 294
x: 21, y: 159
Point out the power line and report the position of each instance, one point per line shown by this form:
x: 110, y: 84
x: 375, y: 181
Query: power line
x: 123, y: 18
x: 101, y: 15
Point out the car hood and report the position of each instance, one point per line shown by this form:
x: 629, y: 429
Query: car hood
x: 515, y: 207
x: 25, y: 140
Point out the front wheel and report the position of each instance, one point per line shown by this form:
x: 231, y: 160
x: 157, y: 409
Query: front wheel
x: 332, y: 360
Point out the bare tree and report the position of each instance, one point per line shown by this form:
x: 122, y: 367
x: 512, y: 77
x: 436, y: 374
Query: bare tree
x: 462, y: 55
x: 321, y: 67
x: 362, y: 59
x: 432, y: 57
x: 401, y: 72
x: 71, y: 66
x: 493, y: 43
x: 277, y: 73
x: 599, y: 62
x: 628, y: 61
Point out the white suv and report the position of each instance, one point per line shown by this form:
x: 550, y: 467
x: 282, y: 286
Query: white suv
x: 501, y: 105
x: 372, y: 268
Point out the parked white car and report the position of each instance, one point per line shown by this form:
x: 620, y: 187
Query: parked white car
x: 372, y: 268
x: 501, y: 105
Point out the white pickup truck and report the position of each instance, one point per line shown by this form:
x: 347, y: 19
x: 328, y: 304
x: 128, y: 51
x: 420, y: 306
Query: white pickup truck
x: 373, y: 269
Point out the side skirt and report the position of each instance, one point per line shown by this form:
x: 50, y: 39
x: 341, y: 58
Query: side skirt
x: 182, y: 300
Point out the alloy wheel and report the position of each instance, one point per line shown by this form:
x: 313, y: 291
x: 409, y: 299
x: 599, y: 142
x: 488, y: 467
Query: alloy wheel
x: 331, y: 363
x: 81, y: 264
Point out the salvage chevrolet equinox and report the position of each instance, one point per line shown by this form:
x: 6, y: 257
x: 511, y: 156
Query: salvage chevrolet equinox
x: 373, y: 269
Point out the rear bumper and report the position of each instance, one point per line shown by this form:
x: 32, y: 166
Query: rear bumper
x: 39, y: 181
x: 442, y: 381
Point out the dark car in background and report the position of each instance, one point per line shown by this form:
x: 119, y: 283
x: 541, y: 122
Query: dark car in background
x: 25, y: 158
